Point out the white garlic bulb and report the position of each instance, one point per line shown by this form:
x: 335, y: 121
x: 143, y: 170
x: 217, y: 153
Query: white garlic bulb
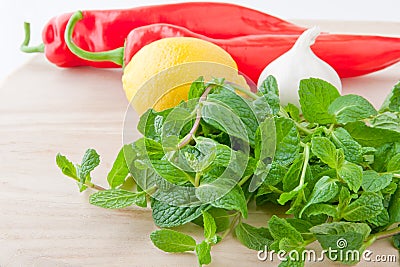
x: 299, y: 63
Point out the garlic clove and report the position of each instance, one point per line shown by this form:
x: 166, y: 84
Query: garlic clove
x: 299, y: 63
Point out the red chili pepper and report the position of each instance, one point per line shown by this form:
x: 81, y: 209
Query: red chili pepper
x: 107, y: 30
x: 349, y: 55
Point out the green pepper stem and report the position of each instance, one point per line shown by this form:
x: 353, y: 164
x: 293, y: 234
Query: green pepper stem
x: 116, y: 55
x: 25, y: 44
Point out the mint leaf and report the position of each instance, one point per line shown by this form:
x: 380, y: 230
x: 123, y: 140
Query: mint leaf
x: 280, y: 228
x: 337, y: 228
x: 274, y: 175
x: 80, y: 173
x: 287, y: 196
x: 343, y: 237
x: 373, y: 182
x: 383, y: 155
x: 209, y: 225
x: 141, y: 200
x: 172, y: 241
x: 66, y: 166
x: 293, y: 112
x: 394, y: 206
x: 270, y: 94
x: 197, y: 88
x: 252, y: 237
x: 317, y: 209
x: 351, y: 174
x: 270, y: 102
x: 396, y: 241
x: 221, y: 219
x: 287, y: 141
x: 233, y: 200
x: 316, y: 96
x: 387, y: 120
x: 325, y: 150
x: 367, y: 206
x: 269, y: 85
x: 90, y: 161
x: 150, y: 123
x: 369, y: 136
x: 392, y: 101
x: 382, y: 219
x: 390, y: 189
x: 115, y: 198
x: 236, y: 161
x: 350, y: 108
x: 195, y: 159
x: 394, y: 164
x: 288, y: 244
x: 264, y: 151
x: 203, y: 252
x: 262, y: 109
x: 236, y: 105
x: 169, y: 172
x: 225, y: 119
x: 165, y: 215
x: 352, y: 150
x: 324, y: 190
x: 292, y: 177
x: 302, y: 226
x: 344, y: 198
x: 119, y: 170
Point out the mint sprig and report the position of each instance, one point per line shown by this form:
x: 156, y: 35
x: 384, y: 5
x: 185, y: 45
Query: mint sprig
x: 333, y: 163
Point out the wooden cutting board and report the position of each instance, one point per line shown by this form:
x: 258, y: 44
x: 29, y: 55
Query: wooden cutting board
x: 45, y: 221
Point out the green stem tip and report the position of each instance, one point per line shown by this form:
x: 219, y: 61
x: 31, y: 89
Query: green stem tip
x: 25, y: 44
x: 115, y: 55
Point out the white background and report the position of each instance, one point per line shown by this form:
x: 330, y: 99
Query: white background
x: 38, y: 12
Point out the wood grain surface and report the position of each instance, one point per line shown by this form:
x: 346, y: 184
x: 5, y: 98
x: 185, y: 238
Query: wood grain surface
x: 45, y: 221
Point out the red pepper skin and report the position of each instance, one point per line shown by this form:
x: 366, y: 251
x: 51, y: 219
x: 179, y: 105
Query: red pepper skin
x: 349, y: 55
x: 107, y: 29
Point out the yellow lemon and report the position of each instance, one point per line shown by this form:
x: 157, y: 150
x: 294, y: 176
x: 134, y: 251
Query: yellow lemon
x: 159, y: 75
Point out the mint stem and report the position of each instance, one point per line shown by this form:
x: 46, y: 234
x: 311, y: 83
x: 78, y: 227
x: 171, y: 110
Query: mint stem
x: 232, y: 225
x: 387, y: 233
x: 302, y: 128
x: 381, y: 235
x: 95, y: 186
x: 305, y: 163
x: 197, y: 179
x: 244, y: 179
x: 395, y: 175
x: 90, y: 184
x: 186, y: 140
x: 150, y: 191
x: 309, y: 241
x: 284, y: 114
x: 246, y: 92
x: 237, y: 217
x: 275, y: 190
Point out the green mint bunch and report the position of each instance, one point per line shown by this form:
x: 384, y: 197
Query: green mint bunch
x: 333, y: 165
